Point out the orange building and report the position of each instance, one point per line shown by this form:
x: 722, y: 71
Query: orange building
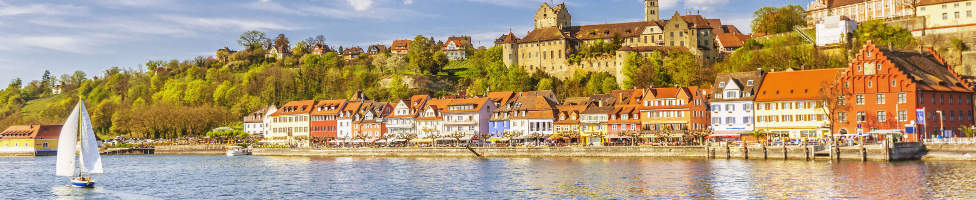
x: 324, y: 115
x: 886, y: 90
x: 680, y: 109
x: 623, y: 118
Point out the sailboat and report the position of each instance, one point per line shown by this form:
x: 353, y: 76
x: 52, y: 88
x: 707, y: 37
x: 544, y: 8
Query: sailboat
x: 77, y: 131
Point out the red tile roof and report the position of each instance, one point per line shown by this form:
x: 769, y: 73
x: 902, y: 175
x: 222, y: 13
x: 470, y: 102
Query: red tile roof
x: 31, y: 132
x: 796, y: 85
x: 296, y: 107
x: 400, y: 45
x: 477, y: 102
x: 322, y: 107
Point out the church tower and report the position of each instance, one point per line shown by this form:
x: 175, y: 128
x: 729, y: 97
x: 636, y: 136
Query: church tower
x: 651, y: 10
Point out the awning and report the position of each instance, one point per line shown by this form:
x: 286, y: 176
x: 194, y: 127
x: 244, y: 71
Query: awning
x: 735, y: 135
x: 494, y: 139
x: 421, y: 140
x: 886, y: 131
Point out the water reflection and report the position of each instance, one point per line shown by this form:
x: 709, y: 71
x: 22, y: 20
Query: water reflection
x: 249, y: 177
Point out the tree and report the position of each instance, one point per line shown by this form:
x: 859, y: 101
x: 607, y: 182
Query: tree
x: 882, y: 34
x: 421, y: 57
x: 833, y: 100
x: 398, y: 88
x: 772, y: 20
x: 545, y: 84
x: 960, y: 46
x: 252, y: 39
x: 518, y: 79
x: 281, y: 43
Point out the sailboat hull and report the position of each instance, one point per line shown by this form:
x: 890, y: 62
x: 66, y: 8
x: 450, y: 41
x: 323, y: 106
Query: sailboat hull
x: 82, y: 183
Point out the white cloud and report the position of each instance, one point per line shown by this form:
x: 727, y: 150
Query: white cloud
x: 360, y: 5
x: 515, y: 3
x: 668, y: 4
x: 408, y: 2
x: 63, y: 43
x: 705, y: 5
x: 37, y: 9
x: 225, y: 23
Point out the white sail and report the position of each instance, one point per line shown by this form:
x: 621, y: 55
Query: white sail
x: 67, y: 142
x: 91, y: 162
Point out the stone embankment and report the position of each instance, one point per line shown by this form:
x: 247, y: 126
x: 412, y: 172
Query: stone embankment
x: 950, y: 152
x: 204, y: 149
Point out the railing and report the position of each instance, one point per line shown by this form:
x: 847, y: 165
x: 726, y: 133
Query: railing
x: 956, y: 140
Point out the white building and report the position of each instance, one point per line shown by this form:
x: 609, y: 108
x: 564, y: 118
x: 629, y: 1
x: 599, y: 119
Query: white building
x: 290, y: 124
x: 467, y: 116
x: 532, y: 115
x: 791, y: 104
x: 454, y: 50
x: 344, y: 124
x: 948, y: 16
x: 401, y: 121
x: 834, y: 30
x: 732, y: 102
x: 430, y: 121
x: 256, y: 123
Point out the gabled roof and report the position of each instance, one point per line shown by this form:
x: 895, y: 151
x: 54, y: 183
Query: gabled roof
x: 352, y: 50
x: 351, y: 108
x: 796, y: 85
x: 597, y: 110
x: 400, y: 45
x: 696, y: 21
x: 377, y: 47
x: 544, y: 34
x: 256, y: 116
x: 323, y: 107
x: 628, y: 110
x: 741, y: 79
x: 31, y: 132
x: 604, y: 31
x: 627, y: 97
x: 296, y: 107
x: 925, y: 69
x: 477, y: 102
x: 418, y: 101
x: 731, y: 40
x: 507, y: 38
x: 501, y: 97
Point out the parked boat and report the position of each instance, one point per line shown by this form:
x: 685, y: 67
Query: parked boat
x: 78, y: 135
x: 237, y: 151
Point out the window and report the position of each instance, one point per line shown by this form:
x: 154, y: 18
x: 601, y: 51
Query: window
x: 861, y: 116
x: 902, y: 115
x: 945, y: 15
x: 881, y: 99
x: 749, y: 83
x: 882, y: 116
x: 721, y: 84
x: 860, y: 99
x: 894, y: 83
x: 841, y: 100
x: 746, y: 120
x: 902, y: 98
x: 730, y: 120
x: 747, y: 106
x: 870, y: 84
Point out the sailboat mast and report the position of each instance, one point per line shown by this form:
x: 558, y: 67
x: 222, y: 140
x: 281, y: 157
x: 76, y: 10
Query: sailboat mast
x: 78, y: 132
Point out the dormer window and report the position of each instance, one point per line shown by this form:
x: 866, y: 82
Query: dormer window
x: 721, y: 84
x: 749, y: 83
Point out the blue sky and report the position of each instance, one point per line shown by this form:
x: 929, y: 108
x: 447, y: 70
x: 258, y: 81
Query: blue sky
x: 63, y: 36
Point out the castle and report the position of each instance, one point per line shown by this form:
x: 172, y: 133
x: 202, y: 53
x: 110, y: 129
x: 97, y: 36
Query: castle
x: 554, y: 39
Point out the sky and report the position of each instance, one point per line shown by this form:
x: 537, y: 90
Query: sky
x: 94, y: 35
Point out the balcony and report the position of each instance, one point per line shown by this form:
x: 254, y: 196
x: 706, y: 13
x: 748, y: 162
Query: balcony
x: 460, y: 122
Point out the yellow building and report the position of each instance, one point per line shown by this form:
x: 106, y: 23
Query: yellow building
x: 30, y: 140
x: 948, y: 16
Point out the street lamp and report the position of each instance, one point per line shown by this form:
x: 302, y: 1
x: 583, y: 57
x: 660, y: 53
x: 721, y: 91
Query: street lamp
x: 941, y: 128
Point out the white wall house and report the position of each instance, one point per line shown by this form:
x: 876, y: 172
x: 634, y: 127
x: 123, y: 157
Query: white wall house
x: 256, y: 123
x: 290, y: 124
x: 790, y: 104
x: 345, y: 118
x: 467, y: 116
x: 834, y: 30
x: 732, y: 102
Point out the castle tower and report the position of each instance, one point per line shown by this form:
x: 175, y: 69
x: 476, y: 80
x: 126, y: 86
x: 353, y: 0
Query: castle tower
x: 548, y: 16
x: 509, y: 49
x: 651, y: 10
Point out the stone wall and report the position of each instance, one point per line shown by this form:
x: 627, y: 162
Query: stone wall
x: 679, y: 152
x: 191, y: 149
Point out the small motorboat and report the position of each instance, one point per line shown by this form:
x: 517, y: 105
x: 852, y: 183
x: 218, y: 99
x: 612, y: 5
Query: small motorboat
x: 237, y: 151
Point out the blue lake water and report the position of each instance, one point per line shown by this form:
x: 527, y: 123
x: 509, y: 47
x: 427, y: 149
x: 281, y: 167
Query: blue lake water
x: 256, y: 177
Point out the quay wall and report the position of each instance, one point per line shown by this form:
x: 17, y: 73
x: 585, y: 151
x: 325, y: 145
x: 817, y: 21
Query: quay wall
x: 642, y: 151
x: 950, y: 152
x: 204, y: 149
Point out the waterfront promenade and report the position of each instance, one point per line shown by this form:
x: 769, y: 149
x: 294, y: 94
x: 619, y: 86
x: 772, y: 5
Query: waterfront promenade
x: 901, y: 151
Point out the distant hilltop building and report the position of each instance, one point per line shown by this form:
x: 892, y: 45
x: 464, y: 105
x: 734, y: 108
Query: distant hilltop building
x: 554, y: 39
x: 859, y: 10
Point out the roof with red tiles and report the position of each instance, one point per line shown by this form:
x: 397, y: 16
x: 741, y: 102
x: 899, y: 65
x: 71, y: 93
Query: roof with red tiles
x: 296, y: 107
x: 796, y: 85
x: 31, y: 132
